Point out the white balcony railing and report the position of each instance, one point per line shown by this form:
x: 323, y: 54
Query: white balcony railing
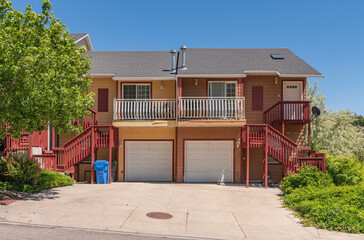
x: 144, y: 109
x: 189, y: 108
x: 212, y: 107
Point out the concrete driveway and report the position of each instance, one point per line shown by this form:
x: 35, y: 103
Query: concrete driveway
x: 198, y: 210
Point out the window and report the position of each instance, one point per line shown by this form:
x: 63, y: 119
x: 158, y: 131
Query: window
x: 277, y: 56
x: 257, y: 98
x: 103, y: 100
x: 221, y: 89
x: 136, y: 91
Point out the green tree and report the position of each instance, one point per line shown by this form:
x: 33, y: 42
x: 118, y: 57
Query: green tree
x: 335, y: 132
x: 42, y: 72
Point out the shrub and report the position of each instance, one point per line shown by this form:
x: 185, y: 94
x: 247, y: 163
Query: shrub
x: 308, y: 176
x: 344, y: 170
x: 47, y: 179
x: 25, y: 175
x: 334, y: 208
x: 20, y: 170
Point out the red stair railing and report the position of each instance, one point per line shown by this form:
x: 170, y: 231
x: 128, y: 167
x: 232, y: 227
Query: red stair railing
x: 287, y: 111
x: 79, y: 148
x: 282, y: 149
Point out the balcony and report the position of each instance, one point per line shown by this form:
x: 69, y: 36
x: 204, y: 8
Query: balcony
x: 144, y: 109
x: 215, y: 108
x: 288, y: 112
x: 185, y: 109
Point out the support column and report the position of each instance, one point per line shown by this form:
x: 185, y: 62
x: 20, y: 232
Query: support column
x: 117, y: 155
x: 30, y: 146
x: 247, y: 156
x: 111, y: 135
x: 266, y: 158
x: 92, y: 154
x: 178, y: 95
x: 282, y: 117
x: 175, y: 157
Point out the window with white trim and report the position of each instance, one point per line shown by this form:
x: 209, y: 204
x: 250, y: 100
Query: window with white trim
x: 136, y: 91
x: 222, y: 89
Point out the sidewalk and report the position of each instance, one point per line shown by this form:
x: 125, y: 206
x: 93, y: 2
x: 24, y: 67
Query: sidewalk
x: 198, y: 211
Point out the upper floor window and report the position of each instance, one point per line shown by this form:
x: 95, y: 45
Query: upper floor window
x: 221, y: 89
x: 136, y: 91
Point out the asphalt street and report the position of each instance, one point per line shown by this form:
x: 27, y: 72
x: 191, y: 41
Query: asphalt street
x: 16, y: 232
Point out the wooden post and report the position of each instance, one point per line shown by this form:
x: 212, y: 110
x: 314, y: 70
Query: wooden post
x: 92, y: 154
x: 179, y: 94
x: 117, y: 155
x: 111, y: 138
x: 282, y: 117
x: 247, y: 156
x: 175, y: 156
x: 266, y: 157
x: 309, y: 126
x: 29, y: 146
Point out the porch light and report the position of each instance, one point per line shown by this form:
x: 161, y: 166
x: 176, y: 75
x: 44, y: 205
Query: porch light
x: 276, y: 80
x: 162, y: 85
x: 196, y: 81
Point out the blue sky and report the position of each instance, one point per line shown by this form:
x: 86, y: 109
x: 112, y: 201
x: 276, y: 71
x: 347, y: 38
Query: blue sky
x: 327, y: 34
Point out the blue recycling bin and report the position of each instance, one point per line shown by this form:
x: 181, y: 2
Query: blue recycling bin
x: 102, y: 169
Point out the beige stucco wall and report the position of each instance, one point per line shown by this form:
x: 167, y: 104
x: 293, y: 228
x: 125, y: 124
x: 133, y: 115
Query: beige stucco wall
x: 168, y: 92
x: 104, y: 118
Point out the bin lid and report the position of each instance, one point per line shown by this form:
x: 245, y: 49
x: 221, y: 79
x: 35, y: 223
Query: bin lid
x: 101, y: 163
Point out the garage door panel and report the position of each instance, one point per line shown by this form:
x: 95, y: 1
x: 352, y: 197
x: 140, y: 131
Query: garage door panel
x: 208, y: 161
x: 148, y: 160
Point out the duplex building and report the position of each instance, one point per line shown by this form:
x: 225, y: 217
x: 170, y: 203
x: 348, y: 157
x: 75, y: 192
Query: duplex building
x: 207, y: 115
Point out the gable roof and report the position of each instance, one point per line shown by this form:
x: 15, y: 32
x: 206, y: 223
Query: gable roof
x: 77, y: 36
x: 200, y: 62
x: 82, y: 39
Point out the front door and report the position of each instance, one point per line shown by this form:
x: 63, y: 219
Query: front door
x: 292, y: 92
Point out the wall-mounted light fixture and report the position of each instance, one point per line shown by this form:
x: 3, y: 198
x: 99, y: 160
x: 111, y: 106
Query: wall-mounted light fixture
x: 276, y: 80
x: 196, y: 81
x: 162, y: 85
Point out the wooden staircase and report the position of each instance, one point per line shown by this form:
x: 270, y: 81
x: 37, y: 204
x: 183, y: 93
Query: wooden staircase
x: 280, y: 148
x: 66, y: 158
x: 82, y: 146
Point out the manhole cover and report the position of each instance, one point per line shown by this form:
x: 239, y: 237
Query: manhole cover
x: 159, y: 215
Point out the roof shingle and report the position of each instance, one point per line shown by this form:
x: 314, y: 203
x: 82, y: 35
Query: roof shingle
x: 199, y: 61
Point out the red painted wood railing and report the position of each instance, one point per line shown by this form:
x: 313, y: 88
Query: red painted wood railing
x: 79, y: 148
x: 281, y: 148
x: 287, y: 111
x: 46, y: 161
x: 88, y: 120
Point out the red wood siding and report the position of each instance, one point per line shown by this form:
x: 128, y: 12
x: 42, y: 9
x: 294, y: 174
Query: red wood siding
x: 103, y: 99
x: 257, y: 97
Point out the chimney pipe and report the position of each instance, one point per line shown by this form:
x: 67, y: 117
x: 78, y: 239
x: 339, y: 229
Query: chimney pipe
x: 183, y: 50
x: 173, y: 68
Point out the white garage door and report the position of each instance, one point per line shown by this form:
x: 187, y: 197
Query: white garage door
x: 209, y: 161
x: 148, y: 161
